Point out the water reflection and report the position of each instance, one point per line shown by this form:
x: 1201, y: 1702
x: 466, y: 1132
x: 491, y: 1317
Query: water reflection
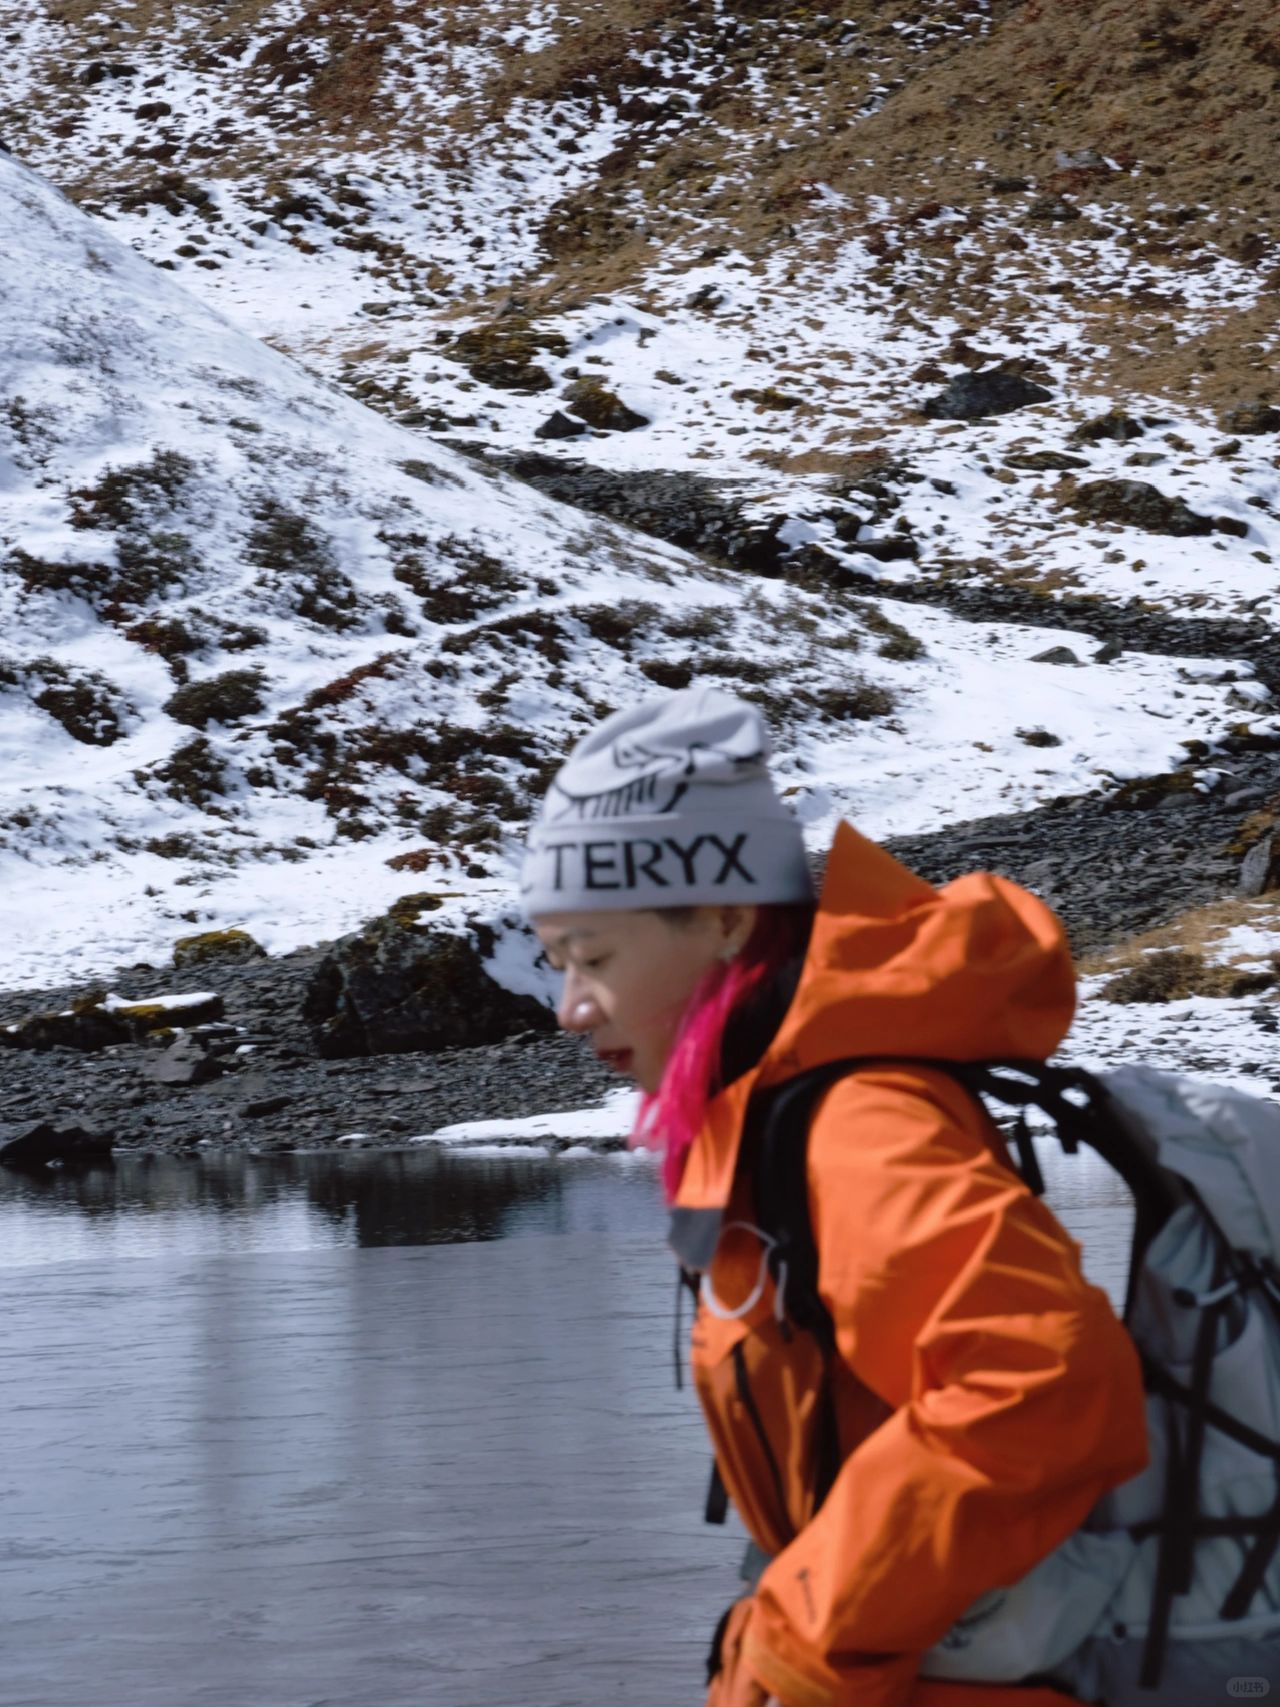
x: 156, y: 1205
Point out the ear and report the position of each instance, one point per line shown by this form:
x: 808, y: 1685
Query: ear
x: 735, y: 925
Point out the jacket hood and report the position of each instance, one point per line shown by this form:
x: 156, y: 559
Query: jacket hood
x: 976, y: 970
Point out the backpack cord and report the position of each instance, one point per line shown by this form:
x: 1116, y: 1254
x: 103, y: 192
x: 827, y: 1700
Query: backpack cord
x: 685, y: 1280
x: 1181, y: 1499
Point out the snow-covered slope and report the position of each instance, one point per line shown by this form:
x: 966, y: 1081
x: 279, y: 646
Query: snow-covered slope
x: 268, y: 659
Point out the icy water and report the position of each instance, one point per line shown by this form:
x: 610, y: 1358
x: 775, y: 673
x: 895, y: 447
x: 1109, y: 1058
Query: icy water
x: 356, y: 1431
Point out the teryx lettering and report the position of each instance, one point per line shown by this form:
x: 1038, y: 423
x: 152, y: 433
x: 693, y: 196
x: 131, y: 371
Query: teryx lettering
x: 732, y: 858
x: 687, y: 855
x: 558, y: 853
x: 601, y: 862
x: 646, y: 867
x: 633, y: 864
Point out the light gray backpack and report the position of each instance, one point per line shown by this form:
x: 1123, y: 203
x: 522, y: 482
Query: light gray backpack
x: 1169, y: 1596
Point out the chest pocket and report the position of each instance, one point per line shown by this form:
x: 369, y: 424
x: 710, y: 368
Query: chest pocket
x: 762, y: 1389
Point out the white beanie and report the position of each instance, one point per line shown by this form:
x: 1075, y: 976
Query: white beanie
x: 668, y: 804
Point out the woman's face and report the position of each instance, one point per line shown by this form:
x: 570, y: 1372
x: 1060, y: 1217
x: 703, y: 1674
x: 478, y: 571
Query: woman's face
x: 629, y: 975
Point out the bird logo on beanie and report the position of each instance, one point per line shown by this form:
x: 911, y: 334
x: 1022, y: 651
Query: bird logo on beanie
x: 654, y: 783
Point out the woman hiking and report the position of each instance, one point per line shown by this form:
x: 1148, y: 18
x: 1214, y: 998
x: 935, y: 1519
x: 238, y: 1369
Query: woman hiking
x: 975, y: 1396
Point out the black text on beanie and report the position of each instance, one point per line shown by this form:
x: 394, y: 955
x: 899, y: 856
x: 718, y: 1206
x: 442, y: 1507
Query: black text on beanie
x: 667, y: 804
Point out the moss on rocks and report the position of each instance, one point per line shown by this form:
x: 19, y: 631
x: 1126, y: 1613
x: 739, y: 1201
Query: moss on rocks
x: 593, y: 402
x: 228, y: 948
x: 400, y: 984
x: 504, y: 353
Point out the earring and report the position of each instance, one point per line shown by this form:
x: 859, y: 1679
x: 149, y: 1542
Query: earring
x: 729, y: 953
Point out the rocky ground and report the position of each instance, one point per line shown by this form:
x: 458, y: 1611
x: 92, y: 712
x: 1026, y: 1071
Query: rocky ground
x: 1111, y: 867
x: 272, y: 1091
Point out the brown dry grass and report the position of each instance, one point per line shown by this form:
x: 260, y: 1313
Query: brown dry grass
x: 1187, y: 956
x: 1183, y: 94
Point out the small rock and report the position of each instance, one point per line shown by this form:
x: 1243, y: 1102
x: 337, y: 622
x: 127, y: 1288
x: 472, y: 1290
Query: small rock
x: 1137, y: 504
x: 71, y: 1146
x: 1052, y: 209
x: 1260, y: 868
x: 1108, y: 653
x: 185, y: 1062
x: 1113, y: 425
x: 1249, y: 418
x: 592, y: 401
x: 560, y: 426
x: 1045, y: 460
x: 230, y: 948
x: 969, y: 396
x: 1056, y: 655
x: 263, y: 1106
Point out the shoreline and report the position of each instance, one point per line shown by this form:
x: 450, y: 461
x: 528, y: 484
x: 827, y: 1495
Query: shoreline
x: 1111, y: 867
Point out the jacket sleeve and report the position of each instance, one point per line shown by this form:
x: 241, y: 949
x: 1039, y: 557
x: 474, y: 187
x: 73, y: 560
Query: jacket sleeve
x: 1017, y: 1396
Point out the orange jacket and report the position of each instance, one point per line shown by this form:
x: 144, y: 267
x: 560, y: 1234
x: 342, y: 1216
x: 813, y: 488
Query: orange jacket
x: 985, y: 1395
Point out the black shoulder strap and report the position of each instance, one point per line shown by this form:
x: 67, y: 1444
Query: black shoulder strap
x: 775, y: 1147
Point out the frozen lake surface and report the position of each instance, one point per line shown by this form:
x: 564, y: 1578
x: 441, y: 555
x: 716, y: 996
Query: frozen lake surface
x: 354, y: 1431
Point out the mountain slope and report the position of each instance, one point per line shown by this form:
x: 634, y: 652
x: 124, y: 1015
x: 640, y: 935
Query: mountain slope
x: 257, y: 645
x: 774, y: 233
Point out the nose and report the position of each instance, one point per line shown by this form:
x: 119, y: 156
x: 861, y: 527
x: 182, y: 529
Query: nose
x: 576, y: 1011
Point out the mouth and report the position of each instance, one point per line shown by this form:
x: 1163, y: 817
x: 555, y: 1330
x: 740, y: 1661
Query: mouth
x: 619, y: 1060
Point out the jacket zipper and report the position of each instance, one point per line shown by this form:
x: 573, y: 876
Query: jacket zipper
x: 757, y: 1422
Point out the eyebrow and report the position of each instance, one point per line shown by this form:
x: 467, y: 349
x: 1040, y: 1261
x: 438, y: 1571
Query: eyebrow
x: 563, y: 939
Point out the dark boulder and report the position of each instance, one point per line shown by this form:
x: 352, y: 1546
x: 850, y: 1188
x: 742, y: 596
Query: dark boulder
x: 1249, y: 418
x: 995, y: 391
x: 227, y: 948
x: 1138, y: 504
x: 560, y: 426
x: 1260, y: 869
x: 593, y: 402
x: 1113, y: 425
x: 400, y: 985
x: 185, y: 1062
x: 67, y: 1146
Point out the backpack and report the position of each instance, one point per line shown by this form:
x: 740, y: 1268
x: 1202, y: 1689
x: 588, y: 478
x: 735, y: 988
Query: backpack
x: 1171, y: 1588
